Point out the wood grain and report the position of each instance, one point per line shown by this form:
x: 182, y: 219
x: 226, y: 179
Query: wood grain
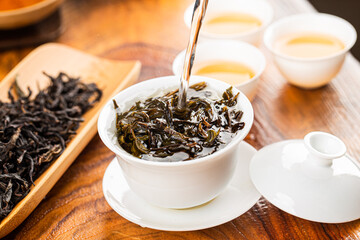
x: 153, y: 32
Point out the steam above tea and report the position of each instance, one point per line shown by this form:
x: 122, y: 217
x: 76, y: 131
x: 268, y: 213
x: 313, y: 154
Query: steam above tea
x: 156, y: 130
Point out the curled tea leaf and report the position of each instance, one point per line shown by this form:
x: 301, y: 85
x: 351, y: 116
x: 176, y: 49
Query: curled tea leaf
x: 140, y: 147
x: 35, y: 131
x: 157, y: 130
x: 212, y: 135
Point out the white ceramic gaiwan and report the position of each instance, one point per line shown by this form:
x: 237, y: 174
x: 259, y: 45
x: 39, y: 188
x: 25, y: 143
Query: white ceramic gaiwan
x: 310, y: 73
x: 258, y: 8
x: 232, y: 51
x: 311, y: 178
x: 173, y: 184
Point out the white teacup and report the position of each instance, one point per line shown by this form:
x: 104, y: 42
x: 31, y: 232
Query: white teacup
x: 310, y: 72
x: 260, y: 9
x: 230, y: 51
x: 173, y: 184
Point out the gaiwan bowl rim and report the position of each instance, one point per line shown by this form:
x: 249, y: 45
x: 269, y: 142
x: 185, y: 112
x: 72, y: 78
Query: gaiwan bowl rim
x: 181, y: 55
x: 103, y: 125
x: 27, y: 9
x: 269, y: 43
x: 264, y: 25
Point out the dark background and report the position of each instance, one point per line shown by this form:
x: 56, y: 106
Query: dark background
x: 347, y: 9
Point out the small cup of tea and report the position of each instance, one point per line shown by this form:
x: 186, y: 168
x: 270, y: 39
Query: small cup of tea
x: 234, y: 19
x: 164, y: 171
x: 310, y: 49
x: 236, y: 63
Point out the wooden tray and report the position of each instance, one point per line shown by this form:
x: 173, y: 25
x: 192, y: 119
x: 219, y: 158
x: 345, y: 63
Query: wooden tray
x: 111, y: 77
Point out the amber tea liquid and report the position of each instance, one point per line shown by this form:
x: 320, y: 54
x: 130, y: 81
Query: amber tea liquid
x: 15, y: 4
x: 230, y: 23
x: 309, y: 45
x: 233, y: 73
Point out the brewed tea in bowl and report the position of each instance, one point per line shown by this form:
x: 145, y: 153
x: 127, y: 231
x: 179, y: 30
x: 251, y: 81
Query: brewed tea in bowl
x: 16, y: 14
x: 180, y: 184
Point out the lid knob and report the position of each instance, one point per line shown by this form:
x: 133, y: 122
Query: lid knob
x: 324, y: 147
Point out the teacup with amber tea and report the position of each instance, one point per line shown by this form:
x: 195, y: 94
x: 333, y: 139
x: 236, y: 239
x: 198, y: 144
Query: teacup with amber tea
x: 237, y: 63
x: 176, y: 158
x: 234, y: 20
x: 310, y: 49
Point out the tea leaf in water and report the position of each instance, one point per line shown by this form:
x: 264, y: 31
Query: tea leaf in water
x: 157, y: 130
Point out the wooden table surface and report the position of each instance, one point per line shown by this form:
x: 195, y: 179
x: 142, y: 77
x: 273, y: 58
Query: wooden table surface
x: 153, y: 32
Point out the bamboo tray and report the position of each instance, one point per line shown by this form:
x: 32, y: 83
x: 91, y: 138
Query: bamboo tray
x: 110, y: 76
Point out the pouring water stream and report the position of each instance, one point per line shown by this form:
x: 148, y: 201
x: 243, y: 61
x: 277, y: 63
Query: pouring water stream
x: 198, y: 15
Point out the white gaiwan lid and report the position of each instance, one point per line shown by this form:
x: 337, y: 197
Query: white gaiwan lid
x: 310, y: 178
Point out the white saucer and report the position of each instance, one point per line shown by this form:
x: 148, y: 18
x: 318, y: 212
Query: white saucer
x: 237, y: 199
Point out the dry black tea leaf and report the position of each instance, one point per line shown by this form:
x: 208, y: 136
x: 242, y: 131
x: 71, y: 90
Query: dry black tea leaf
x: 157, y: 130
x: 34, y: 132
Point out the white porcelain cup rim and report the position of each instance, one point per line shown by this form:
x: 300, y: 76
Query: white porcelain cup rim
x: 189, y: 9
x: 178, y: 59
x: 102, y: 130
x: 269, y: 44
